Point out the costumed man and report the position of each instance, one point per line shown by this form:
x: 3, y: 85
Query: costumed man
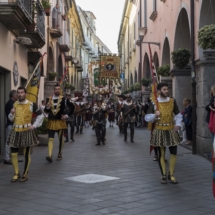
x: 23, y: 132
x: 88, y: 115
x: 119, y: 117
x: 111, y: 114
x: 100, y: 120
x: 166, y: 129
x: 55, y: 107
x: 69, y: 109
x: 79, y: 115
x: 129, y: 110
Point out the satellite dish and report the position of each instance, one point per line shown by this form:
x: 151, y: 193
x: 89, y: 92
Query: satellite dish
x: 23, y: 40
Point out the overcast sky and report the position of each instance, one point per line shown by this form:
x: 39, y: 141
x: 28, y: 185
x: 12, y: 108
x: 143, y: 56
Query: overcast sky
x: 108, y: 15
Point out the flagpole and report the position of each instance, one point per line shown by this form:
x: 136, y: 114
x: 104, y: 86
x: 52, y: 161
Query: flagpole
x: 35, y: 69
x: 33, y: 73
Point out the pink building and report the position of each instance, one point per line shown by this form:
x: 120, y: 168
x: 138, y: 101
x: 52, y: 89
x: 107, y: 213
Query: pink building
x: 169, y: 24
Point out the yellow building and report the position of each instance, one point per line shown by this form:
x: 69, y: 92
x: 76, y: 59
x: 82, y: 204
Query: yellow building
x: 76, y: 40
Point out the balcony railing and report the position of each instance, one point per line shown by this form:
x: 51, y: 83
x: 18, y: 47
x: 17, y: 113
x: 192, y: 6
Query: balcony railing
x: 36, y: 32
x: 64, y: 44
x: 16, y: 14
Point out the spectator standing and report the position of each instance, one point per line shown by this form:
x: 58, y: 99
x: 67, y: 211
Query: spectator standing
x: 187, y: 119
x: 43, y: 104
x: 9, y: 125
x: 55, y: 13
x: 209, y: 108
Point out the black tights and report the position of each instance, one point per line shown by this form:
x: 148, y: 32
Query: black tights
x: 100, y: 131
x: 131, y: 128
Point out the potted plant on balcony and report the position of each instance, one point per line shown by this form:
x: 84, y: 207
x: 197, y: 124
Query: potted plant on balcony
x: 164, y: 70
x: 67, y: 86
x: 46, y: 6
x: 64, y: 17
x: 180, y: 58
x: 137, y: 86
x: 146, y: 82
x: 72, y: 88
x: 52, y: 76
x: 206, y: 37
x: 131, y: 88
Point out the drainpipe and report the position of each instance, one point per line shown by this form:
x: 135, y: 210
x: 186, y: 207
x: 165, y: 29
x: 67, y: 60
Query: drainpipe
x: 140, y: 47
x: 193, y: 75
x: 128, y: 52
x: 47, y: 39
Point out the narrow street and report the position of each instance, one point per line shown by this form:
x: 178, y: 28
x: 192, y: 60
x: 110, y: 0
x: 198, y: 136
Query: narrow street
x: 136, y: 188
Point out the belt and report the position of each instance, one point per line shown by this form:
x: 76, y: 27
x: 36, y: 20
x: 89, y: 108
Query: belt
x: 22, y: 126
x: 165, y: 124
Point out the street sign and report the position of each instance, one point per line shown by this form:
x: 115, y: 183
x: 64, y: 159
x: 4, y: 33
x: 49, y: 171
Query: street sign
x: 122, y: 76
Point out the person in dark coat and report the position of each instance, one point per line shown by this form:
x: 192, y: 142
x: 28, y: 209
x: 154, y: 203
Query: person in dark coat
x: 187, y: 119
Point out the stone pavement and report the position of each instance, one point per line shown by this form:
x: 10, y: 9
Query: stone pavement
x: 137, y: 191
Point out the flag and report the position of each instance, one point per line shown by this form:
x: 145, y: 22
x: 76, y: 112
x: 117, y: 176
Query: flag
x: 33, y: 84
x: 154, y: 89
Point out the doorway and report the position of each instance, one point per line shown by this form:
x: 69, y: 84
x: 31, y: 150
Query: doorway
x: 5, y: 87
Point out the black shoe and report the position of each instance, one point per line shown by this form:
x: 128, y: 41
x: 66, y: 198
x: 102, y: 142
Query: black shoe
x: 97, y: 144
x: 155, y: 158
x: 72, y: 138
x: 49, y: 159
x: 20, y: 160
x: 77, y: 130
x: 59, y: 157
x: 66, y: 141
x: 163, y: 179
x: 132, y: 139
x: 7, y: 162
x: 125, y: 138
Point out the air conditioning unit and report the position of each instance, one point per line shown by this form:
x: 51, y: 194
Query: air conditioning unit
x: 23, y: 41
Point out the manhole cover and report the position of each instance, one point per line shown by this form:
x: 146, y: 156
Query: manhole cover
x: 91, y: 178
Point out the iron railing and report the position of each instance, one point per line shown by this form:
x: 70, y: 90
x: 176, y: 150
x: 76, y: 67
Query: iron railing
x: 40, y: 19
x: 25, y: 5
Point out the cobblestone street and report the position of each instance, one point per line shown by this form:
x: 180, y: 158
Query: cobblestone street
x: 136, y: 188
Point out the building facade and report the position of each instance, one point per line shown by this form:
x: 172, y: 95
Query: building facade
x: 22, y: 39
x: 168, y: 24
x: 92, y: 46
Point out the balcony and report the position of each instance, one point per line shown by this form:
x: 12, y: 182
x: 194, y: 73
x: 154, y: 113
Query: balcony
x: 36, y: 31
x: 56, y: 28
x: 79, y: 65
x: 64, y: 44
x: 16, y: 15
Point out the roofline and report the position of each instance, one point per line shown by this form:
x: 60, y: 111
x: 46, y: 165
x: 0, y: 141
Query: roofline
x: 76, y: 9
x: 103, y: 44
x: 122, y: 20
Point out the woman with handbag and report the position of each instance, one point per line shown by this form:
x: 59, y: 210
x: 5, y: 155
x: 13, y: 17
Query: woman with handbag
x: 187, y: 119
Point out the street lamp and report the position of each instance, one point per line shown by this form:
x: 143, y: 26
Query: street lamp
x: 142, y: 32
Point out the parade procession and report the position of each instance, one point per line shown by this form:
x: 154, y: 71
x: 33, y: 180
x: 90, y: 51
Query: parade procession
x: 107, y: 107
